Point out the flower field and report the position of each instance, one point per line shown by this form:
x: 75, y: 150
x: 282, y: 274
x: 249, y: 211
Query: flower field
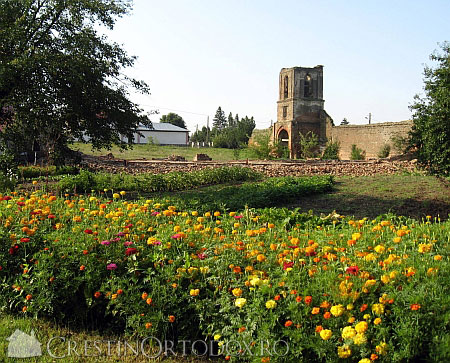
x: 262, y: 284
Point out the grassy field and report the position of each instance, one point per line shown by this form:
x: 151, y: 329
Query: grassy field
x: 415, y: 196
x: 156, y: 151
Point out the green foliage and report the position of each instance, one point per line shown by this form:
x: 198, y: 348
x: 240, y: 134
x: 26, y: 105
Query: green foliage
x: 344, y: 122
x: 331, y: 151
x: 400, y: 143
x: 384, y: 151
x: 60, y: 80
x: 261, y: 147
x: 430, y: 135
x: 219, y: 120
x: 8, y: 170
x: 308, y: 145
x: 87, y: 181
x: 235, y: 135
x: 268, y: 193
x: 357, y: 153
x: 203, y: 135
x: 29, y: 172
x: 174, y: 119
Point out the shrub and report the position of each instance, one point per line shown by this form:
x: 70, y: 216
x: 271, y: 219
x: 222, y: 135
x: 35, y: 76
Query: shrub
x: 400, y: 143
x: 308, y: 145
x: 331, y: 151
x: 384, y: 151
x: 357, y: 153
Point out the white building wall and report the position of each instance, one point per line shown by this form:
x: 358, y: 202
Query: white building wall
x: 161, y: 137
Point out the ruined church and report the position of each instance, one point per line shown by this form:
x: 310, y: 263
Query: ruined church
x: 300, y: 109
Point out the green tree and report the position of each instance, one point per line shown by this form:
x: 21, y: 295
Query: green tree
x: 430, y: 134
x: 230, y: 121
x: 308, y: 145
x: 174, y: 119
x: 60, y: 79
x: 219, y: 121
x: 344, y: 122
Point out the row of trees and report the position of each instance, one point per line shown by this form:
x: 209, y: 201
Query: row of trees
x: 227, y: 132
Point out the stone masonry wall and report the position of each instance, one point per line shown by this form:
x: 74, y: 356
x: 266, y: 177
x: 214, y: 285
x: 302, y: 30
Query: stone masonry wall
x: 370, y: 138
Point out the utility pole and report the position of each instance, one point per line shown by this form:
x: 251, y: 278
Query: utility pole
x: 207, y: 129
x: 369, y: 118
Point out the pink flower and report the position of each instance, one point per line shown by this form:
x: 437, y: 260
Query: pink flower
x: 127, y: 243
x: 155, y: 213
x: 120, y: 234
x: 177, y: 235
x: 155, y: 243
x: 238, y: 217
x: 202, y: 256
x: 105, y: 243
x: 111, y: 266
x: 130, y: 251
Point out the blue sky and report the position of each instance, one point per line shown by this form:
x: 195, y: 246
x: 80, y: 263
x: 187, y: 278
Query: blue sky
x: 197, y: 55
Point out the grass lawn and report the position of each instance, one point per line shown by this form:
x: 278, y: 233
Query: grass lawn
x: 156, y: 151
x: 415, y: 196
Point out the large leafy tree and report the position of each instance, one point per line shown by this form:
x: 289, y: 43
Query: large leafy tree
x: 60, y: 78
x: 174, y: 119
x: 430, y: 134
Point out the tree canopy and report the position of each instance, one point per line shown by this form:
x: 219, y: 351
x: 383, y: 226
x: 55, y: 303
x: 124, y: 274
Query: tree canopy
x: 60, y: 79
x: 174, y: 119
x: 430, y: 134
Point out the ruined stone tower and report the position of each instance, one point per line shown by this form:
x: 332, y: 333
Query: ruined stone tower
x: 300, y: 107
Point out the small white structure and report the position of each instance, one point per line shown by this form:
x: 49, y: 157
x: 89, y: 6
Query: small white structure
x: 162, y: 134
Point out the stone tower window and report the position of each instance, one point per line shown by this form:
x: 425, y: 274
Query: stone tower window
x: 284, y: 111
x: 307, y: 90
x: 286, y: 86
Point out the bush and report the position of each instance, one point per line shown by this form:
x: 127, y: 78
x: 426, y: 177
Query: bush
x: 308, y: 145
x: 357, y: 153
x: 384, y: 151
x: 87, y: 181
x: 331, y: 151
x: 400, y: 143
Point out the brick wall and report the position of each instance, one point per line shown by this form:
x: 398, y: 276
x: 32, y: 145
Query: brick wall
x: 370, y: 138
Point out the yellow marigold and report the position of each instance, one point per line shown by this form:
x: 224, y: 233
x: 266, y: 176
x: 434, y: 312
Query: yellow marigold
x: 423, y: 247
x: 378, y: 309
x: 385, y: 223
x: 361, y: 327
x: 237, y: 292
x: 381, y: 348
x: 337, y: 310
x: 344, y: 351
x: 315, y: 311
x: 370, y: 257
x: 271, y: 304
x: 240, y: 302
x: 326, y: 334
x: 348, y: 332
x: 359, y: 339
x: 364, y: 360
x: 385, y: 279
x: 261, y: 258
x: 194, y: 292
x: 437, y: 257
x: 356, y: 236
x: 379, y: 249
x: 377, y: 321
x: 397, y: 239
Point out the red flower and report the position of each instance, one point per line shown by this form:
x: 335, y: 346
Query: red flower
x: 20, y: 204
x: 88, y: 231
x: 51, y: 216
x: 352, y: 270
x: 24, y: 239
x: 130, y: 251
x: 287, y: 265
x: 308, y: 299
